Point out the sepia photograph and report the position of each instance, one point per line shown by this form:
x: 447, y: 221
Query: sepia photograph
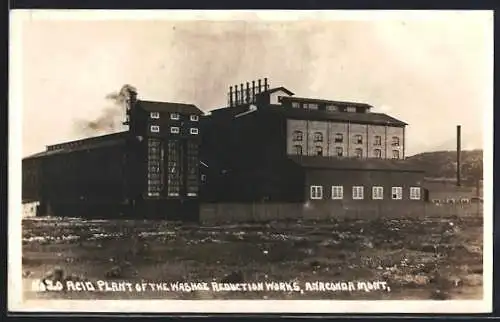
x: 251, y: 161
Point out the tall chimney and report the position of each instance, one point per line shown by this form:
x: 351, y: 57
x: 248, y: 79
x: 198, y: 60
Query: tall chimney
x: 235, y: 95
x: 266, y: 86
x: 230, y: 96
x: 253, y: 91
x: 260, y: 86
x: 459, y: 148
x: 242, y: 94
x: 247, y: 94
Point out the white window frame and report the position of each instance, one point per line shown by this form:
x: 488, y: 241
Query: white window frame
x: 193, y: 131
x: 397, y: 193
x: 415, y: 193
x: 337, y: 192
x: 194, y: 118
x: 154, y: 115
x: 295, y: 105
x: 377, y: 193
x: 351, y: 109
x: 175, y: 116
x: 316, y: 192
x: 358, y: 192
x: 174, y: 130
x: 397, y: 153
x: 155, y: 128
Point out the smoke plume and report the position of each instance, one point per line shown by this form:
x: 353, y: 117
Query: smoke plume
x: 111, y: 117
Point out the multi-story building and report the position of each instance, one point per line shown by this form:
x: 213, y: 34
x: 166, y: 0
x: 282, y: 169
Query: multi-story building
x: 149, y: 170
x: 274, y: 146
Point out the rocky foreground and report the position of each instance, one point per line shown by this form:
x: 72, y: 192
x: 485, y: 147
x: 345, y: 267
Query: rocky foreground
x: 432, y: 258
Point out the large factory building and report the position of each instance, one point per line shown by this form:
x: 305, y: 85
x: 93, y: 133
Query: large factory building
x: 271, y: 146
x: 266, y: 146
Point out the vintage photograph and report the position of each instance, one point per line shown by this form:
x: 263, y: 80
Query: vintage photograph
x: 342, y: 160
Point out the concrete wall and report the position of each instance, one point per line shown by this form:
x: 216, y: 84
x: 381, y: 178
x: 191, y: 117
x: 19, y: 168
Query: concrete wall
x: 349, y: 132
x: 237, y: 213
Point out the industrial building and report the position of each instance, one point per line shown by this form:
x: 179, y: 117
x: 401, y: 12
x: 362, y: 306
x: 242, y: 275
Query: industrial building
x: 266, y: 146
x: 271, y: 146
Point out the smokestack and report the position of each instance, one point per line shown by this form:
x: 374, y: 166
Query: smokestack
x: 459, y: 148
x: 230, y: 96
x: 242, y: 94
x: 265, y: 84
x: 260, y: 86
x: 235, y: 95
x: 248, y: 93
x: 253, y: 91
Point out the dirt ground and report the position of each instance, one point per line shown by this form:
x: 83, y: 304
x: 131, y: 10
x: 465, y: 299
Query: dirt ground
x: 430, y: 258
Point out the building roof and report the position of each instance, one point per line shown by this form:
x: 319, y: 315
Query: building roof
x: 276, y: 89
x: 103, y: 141
x: 323, y: 101
x: 365, y: 118
x: 152, y: 106
x: 321, y: 162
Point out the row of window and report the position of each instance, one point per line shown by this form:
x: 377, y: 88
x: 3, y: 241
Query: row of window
x: 339, y: 151
x: 173, y: 129
x: 358, y: 192
x: 174, y: 116
x: 328, y: 107
x: 339, y: 138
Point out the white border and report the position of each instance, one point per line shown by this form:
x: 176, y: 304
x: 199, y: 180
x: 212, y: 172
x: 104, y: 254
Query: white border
x: 15, y: 302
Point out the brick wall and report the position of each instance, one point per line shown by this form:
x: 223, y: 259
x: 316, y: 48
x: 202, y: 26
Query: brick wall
x: 349, y: 144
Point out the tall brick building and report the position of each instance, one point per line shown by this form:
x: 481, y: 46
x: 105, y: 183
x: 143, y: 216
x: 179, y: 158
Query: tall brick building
x: 270, y: 145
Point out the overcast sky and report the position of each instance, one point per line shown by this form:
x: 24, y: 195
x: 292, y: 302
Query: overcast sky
x: 431, y: 73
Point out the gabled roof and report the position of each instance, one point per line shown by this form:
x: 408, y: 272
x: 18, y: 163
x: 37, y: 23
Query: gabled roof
x: 152, y: 106
x: 85, y: 144
x: 276, y: 89
x: 322, y: 162
x: 318, y: 115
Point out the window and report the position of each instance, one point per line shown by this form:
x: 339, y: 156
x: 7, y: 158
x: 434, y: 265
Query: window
x: 357, y: 192
x: 397, y: 193
x: 337, y: 192
x: 295, y: 104
x: 203, y: 178
x: 339, y: 138
x: 351, y: 109
x: 297, y: 149
x: 377, y: 153
x: 378, y: 140
x: 358, y: 139
x: 311, y: 106
x: 155, y: 128
x: 154, y: 115
x: 297, y: 136
x: 332, y: 108
x: 339, y: 151
x: 175, y: 116
x: 193, y: 130
x: 415, y: 193
x: 377, y: 193
x: 319, y: 150
x: 194, y: 118
x: 395, y: 154
x: 358, y: 153
x: 316, y: 192
x: 174, y: 129
x: 395, y: 141
x: 318, y: 137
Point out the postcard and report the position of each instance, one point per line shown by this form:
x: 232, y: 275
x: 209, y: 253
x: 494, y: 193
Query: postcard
x: 251, y: 161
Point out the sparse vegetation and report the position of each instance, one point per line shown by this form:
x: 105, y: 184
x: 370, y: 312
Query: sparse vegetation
x: 430, y: 258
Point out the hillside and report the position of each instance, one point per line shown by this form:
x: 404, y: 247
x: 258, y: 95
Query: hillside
x: 442, y: 164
